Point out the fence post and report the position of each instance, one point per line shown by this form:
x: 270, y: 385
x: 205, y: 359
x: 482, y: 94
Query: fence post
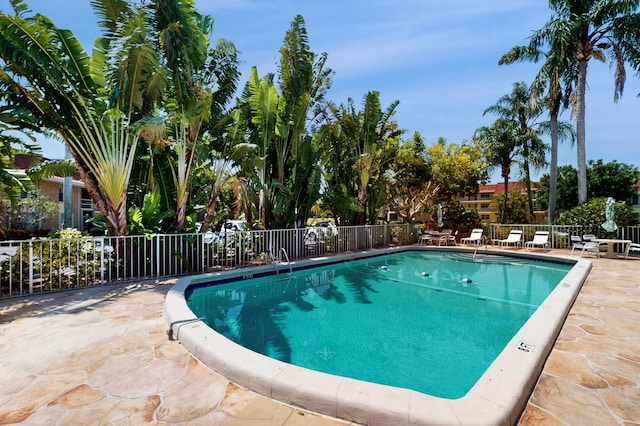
x: 30, y: 268
x: 202, y: 250
x: 157, y: 238
x: 357, y: 228
x: 102, y: 248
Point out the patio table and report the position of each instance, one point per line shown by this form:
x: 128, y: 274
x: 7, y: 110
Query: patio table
x: 610, y: 242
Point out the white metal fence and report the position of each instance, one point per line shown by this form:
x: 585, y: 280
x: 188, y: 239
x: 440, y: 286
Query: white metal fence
x: 45, y: 265
x: 559, y: 235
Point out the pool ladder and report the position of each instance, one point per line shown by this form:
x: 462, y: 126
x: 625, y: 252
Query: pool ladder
x: 475, y: 252
x: 286, y: 256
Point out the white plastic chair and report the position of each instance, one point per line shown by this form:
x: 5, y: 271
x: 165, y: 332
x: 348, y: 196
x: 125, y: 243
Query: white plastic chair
x: 631, y: 247
x: 514, y: 238
x: 582, y: 245
x: 540, y: 239
x: 476, y: 237
x: 447, y: 236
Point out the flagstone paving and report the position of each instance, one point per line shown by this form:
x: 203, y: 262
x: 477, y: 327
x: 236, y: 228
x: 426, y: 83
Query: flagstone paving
x: 102, y: 356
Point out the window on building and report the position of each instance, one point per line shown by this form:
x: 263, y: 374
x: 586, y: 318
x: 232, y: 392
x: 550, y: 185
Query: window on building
x: 485, y: 196
x: 60, y: 195
x: 485, y: 217
x: 484, y: 206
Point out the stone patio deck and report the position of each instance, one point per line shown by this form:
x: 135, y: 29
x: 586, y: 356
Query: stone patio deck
x: 102, y: 356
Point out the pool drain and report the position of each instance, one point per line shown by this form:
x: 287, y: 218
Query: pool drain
x: 325, y: 353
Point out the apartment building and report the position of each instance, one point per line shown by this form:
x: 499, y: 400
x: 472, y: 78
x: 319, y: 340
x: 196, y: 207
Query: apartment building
x: 52, y: 188
x: 481, y: 201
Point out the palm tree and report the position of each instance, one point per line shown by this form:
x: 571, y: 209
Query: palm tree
x: 262, y: 98
x: 367, y: 143
x: 520, y: 106
x: 589, y: 29
x: 500, y: 142
x: 46, y: 71
x: 304, y: 80
x: 284, y: 166
x: 556, y: 70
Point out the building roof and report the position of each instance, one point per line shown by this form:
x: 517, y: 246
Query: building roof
x: 25, y: 161
x: 498, y: 188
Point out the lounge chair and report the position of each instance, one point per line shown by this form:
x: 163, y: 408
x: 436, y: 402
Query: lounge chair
x: 584, y: 245
x: 513, y: 239
x: 540, y: 239
x: 631, y: 247
x: 475, y: 238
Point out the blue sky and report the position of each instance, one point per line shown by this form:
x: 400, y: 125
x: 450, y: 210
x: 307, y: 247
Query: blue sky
x: 439, y: 59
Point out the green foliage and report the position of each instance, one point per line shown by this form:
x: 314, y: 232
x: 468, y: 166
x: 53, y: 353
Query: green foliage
x: 67, y: 261
x: 517, y: 211
x: 591, y: 215
x: 498, y: 144
x: 149, y: 218
x: 455, y: 169
x: 613, y: 179
x: 456, y: 216
x: 31, y: 211
x: 282, y: 176
x: 358, y: 148
x: 98, y: 225
x: 579, y: 31
x: 411, y: 185
x: 67, y: 233
x: 566, y: 190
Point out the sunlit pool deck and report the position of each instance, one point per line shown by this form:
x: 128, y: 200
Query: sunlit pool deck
x: 102, y: 355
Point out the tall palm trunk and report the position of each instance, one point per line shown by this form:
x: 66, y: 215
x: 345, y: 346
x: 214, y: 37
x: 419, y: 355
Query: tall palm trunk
x: 553, y: 173
x: 581, y: 133
x: 527, y: 178
x: 505, y: 175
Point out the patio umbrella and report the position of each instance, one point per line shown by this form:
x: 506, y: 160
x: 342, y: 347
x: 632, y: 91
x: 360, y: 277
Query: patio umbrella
x: 440, y: 222
x: 609, y: 225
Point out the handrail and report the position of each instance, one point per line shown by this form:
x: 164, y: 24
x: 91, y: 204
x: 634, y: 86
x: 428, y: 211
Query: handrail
x: 273, y: 260
x: 286, y: 256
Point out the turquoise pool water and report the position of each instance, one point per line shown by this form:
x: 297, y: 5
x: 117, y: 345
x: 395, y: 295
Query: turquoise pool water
x: 428, y: 321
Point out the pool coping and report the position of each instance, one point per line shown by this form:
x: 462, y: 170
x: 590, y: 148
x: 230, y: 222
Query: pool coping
x: 497, y: 398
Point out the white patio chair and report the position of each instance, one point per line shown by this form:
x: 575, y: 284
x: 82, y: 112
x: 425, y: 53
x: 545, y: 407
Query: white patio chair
x: 582, y: 245
x: 540, y: 239
x: 631, y: 247
x: 447, y: 236
x: 513, y: 239
x: 424, y: 238
x: 475, y: 238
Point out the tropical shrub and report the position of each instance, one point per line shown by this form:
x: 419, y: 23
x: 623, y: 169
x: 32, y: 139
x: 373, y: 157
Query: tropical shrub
x: 456, y: 216
x: 30, y: 212
x: 591, y: 216
x: 67, y: 261
x: 517, y: 211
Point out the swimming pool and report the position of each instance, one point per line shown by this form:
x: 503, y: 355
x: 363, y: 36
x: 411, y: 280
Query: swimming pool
x: 427, y: 321
x: 524, y: 344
